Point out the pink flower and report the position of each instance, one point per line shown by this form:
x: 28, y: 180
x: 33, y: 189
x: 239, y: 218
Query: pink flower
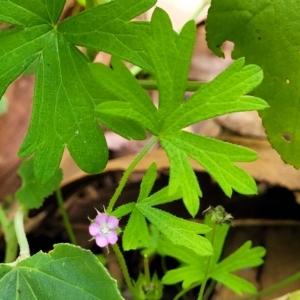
x: 103, y: 229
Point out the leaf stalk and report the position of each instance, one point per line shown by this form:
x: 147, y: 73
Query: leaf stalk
x: 127, y: 173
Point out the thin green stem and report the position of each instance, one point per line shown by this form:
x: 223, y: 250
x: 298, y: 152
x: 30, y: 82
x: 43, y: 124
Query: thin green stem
x: 191, y: 86
x: 206, y: 276
x: 275, y: 287
x: 209, y: 290
x: 184, y: 291
x: 20, y: 233
x: 127, y: 173
x: 123, y: 266
x: 11, y: 243
x: 146, y: 269
x: 65, y: 217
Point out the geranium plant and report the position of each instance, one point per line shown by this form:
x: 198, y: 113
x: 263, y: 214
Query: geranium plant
x: 73, y: 96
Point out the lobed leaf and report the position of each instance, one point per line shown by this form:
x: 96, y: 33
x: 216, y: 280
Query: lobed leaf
x: 266, y: 33
x: 170, y: 56
x: 63, y: 113
x: 65, y: 94
x: 225, y: 94
x: 179, y: 231
x: 122, y: 96
x: 217, y: 158
x: 106, y: 28
x: 55, y: 276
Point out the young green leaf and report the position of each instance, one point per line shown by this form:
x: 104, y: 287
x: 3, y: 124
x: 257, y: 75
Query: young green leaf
x: 192, y: 267
x: 36, y: 277
x: 148, y: 182
x: 136, y: 232
x: 123, y: 210
x: 179, y: 231
x: 169, y: 53
x: 65, y: 94
x: 32, y: 194
x: 276, y: 51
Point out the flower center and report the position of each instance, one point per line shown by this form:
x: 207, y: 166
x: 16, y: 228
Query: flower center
x: 104, y: 229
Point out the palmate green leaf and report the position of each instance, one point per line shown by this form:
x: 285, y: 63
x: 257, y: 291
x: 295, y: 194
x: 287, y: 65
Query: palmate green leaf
x: 192, y: 267
x: 216, y: 157
x: 236, y: 283
x: 169, y: 53
x: 63, y: 113
x: 244, y: 257
x: 266, y: 33
x: 107, y: 28
x: 122, y: 96
x: 213, y: 99
x: 55, y: 276
x: 32, y: 194
x: 65, y: 94
x: 177, y: 230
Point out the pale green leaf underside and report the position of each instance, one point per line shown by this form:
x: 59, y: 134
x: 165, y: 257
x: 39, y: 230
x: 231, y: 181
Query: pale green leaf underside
x: 55, y: 276
x: 266, y: 33
x: 31, y: 194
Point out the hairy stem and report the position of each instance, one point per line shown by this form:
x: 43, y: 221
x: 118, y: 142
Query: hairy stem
x: 123, y: 266
x: 21, y: 235
x: 11, y: 243
x: 65, y: 217
x: 206, y: 276
x: 127, y: 173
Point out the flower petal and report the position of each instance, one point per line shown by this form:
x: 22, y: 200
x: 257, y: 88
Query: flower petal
x: 94, y: 229
x: 101, y: 219
x: 112, y: 237
x: 101, y: 241
x: 112, y: 222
